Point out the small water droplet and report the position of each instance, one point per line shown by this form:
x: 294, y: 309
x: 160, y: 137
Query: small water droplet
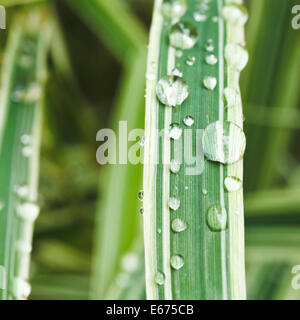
x: 235, y: 14
x: 173, y: 8
x: 172, y: 90
x: 183, y: 35
x: 159, y: 231
x: 188, y: 121
x: 33, y: 93
x: 21, y: 191
x: 174, y: 166
x: 175, y: 131
x: 233, y: 184
x: 25, y: 139
x: 209, y: 45
x: 27, y: 151
x: 190, y: 60
x: 179, y: 53
x: 215, y: 19
x: 224, y: 142
x: 178, y: 225
x: 177, y: 262
x: 199, y: 17
x: 141, y: 195
x: 176, y: 72
x: 204, y: 192
x: 217, y: 218
x: 141, y: 210
x: 211, y: 59
x: 186, y: 188
x: 236, y: 56
x: 174, y: 203
x: 159, y: 278
x: 210, y: 82
x: 28, y: 211
x: 130, y: 262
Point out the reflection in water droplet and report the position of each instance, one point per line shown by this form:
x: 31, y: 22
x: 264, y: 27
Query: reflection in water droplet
x: 159, y: 278
x: 177, y: 262
x: 224, y: 142
x: 210, y: 82
x: 236, y: 56
x: 172, y: 90
x: 178, y: 225
x: 217, y: 218
x: 141, y: 195
x: 174, y: 203
x: 173, y: 8
x: 233, y: 184
x: 190, y: 61
x: 188, y: 121
x: 174, y: 166
x: 183, y: 35
x: 175, y: 131
x: 211, y: 59
x: 209, y: 45
x: 235, y: 14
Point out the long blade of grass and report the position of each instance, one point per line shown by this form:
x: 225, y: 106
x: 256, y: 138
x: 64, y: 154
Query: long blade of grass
x: 23, y: 75
x: 195, y: 261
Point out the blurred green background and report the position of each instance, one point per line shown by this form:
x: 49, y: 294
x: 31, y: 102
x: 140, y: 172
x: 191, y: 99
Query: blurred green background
x: 88, y: 239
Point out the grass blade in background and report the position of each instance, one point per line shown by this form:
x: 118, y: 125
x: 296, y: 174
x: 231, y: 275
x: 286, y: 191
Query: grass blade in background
x: 23, y: 74
x: 195, y: 247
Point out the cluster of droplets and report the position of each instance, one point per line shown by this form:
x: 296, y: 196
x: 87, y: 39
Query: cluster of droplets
x: 223, y: 141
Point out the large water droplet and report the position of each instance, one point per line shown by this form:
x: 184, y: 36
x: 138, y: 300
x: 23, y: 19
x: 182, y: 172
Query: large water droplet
x: 211, y: 59
x: 233, y: 184
x: 235, y: 14
x: 174, y: 203
x: 177, y: 262
x: 209, y: 45
x: 183, y: 35
x: 178, y: 225
x: 159, y: 278
x: 174, y: 166
x: 210, y: 82
x: 217, y: 218
x: 175, y: 131
x: 188, y: 121
x: 172, y: 90
x: 224, y: 142
x: 173, y: 8
x: 236, y: 56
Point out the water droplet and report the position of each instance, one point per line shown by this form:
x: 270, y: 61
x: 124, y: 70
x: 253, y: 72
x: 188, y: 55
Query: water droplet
x: 173, y: 8
x: 18, y: 94
x: 209, y: 45
x: 233, y: 97
x: 175, y: 131
x: 186, y: 188
x: 211, y: 59
x: 174, y: 203
x: 183, y: 35
x: 217, y: 218
x: 28, y: 211
x: 190, y: 61
x: 27, y: 151
x: 236, y: 56
x: 160, y: 278
x: 176, y: 72
x: 235, y: 14
x: 150, y: 76
x: 33, y: 93
x: 188, y: 121
x: 177, y: 262
x: 199, y: 17
x: 178, y: 225
x: 174, y: 166
x: 3, y: 278
x: 141, y: 210
x: 224, y: 142
x: 130, y: 262
x: 142, y: 141
x: 215, y: 19
x: 210, y: 82
x: 179, y: 53
x: 172, y: 90
x: 141, y: 195
x: 25, y: 139
x: 21, y: 191
x: 159, y: 231
x: 204, y: 192
x: 233, y: 184
x: 21, y: 289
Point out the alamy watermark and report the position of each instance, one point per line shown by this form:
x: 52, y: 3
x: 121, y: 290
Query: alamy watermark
x: 128, y: 147
x: 296, y: 18
x: 296, y: 279
x: 2, y: 17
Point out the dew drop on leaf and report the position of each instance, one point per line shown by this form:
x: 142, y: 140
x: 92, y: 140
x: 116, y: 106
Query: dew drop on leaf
x: 217, y: 218
x: 233, y: 184
x: 177, y: 262
x: 159, y: 278
x: 175, y: 131
x: 210, y: 82
x: 178, y: 225
x: 183, y: 35
x: 173, y: 8
x: 174, y: 203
